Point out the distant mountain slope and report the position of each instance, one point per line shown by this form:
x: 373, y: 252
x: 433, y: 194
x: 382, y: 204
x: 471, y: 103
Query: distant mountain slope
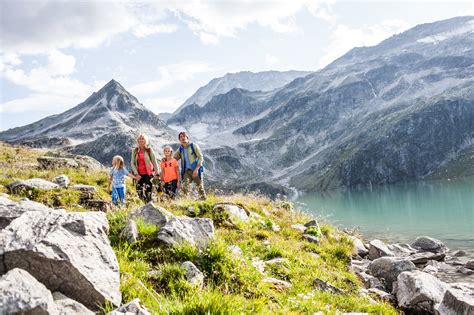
x: 259, y: 81
x: 105, y: 124
x: 398, y: 111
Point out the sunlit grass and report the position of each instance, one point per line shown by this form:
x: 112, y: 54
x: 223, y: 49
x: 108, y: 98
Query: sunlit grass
x: 232, y: 285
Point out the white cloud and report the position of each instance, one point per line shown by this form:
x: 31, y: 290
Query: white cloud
x: 144, y: 30
x: 170, y: 74
x: 271, y: 60
x: 52, y: 78
x: 344, y: 38
x: 163, y: 104
x: 39, y: 26
x: 214, y: 19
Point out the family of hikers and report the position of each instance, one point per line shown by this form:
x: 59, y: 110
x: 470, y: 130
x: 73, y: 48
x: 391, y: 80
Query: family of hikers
x: 168, y: 178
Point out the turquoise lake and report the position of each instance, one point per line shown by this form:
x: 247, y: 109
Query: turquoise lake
x: 399, y: 213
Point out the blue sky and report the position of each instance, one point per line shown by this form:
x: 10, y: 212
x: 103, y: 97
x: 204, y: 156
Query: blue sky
x: 54, y: 54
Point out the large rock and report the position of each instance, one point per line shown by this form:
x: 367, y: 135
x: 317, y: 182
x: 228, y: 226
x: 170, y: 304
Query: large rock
x: 429, y: 244
x: 86, y: 188
x: 70, y: 161
x: 152, y: 214
x: 61, y: 180
x: 130, y: 232
x: 193, y: 274
x: 21, y: 293
x: 469, y: 264
x: 359, y: 246
x: 458, y: 300
x: 419, y: 292
x: 277, y: 284
x: 20, y: 186
x: 424, y: 257
x: 49, y: 162
x: 401, y: 250
x: 378, y: 249
x: 236, y: 214
x: 10, y: 210
x: 195, y: 231
x: 388, y: 269
x: 67, y: 306
x: 67, y: 252
x: 326, y: 287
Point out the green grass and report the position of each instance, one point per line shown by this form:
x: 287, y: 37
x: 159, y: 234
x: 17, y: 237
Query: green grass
x: 232, y: 285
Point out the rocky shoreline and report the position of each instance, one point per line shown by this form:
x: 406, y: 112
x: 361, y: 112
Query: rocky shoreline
x: 416, y: 277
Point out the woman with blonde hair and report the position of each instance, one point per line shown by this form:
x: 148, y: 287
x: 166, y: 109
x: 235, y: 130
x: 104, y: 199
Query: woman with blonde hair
x: 144, y: 167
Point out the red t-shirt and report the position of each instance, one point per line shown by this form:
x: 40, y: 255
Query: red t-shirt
x: 169, y: 170
x: 141, y: 163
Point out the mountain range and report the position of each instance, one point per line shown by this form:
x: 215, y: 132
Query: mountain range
x: 402, y: 110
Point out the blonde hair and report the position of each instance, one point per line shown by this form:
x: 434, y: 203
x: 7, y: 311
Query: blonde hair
x: 117, y: 162
x: 144, y: 136
x: 168, y: 147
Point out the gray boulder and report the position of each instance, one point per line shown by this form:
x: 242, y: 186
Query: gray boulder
x: 429, y: 244
x: 61, y: 180
x: 67, y: 252
x: 299, y: 227
x: 131, y: 308
x: 469, y: 264
x: 370, y: 281
x: 21, y: 293
x: 360, y: 265
x: 10, y: 210
x: 326, y: 287
x: 235, y: 251
x: 383, y: 295
x: 86, y: 188
x: 310, y: 238
x: 67, y: 306
x: 359, y: 246
x: 49, y: 162
x: 458, y: 300
x: 130, y: 232
x: 277, y: 284
x: 401, y: 250
x: 193, y: 274
x: 458, y: 253
x: 69, y: 161
x: 312, y: 222
x: 280, y: 261
x: 152, y: 214
x: 388, y: 269
x: 20, y: 186
x: 419, y: 292
x: 378, y: 249
x: 196, y: 231
x: 424, y: 257
x: 236, y: 214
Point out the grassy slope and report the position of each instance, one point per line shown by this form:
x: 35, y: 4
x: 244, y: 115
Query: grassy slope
x: 232, y: 285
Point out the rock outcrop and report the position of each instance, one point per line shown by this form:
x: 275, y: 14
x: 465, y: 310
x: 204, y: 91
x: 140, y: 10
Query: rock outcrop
x: 67, y: 252
x: 21, y: 293
x: 420, y: 292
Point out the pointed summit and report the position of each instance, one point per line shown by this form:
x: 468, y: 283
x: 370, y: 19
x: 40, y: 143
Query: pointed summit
x: 112, y: 86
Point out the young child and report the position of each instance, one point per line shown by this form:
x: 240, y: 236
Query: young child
x: 170, y: 181
x: 117, y: 179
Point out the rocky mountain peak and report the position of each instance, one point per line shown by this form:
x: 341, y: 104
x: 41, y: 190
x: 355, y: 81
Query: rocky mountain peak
x: 113, y: 86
